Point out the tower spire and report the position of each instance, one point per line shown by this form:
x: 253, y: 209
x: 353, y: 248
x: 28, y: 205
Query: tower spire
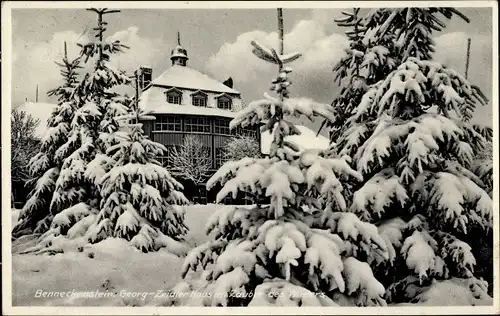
x: 178, y: 55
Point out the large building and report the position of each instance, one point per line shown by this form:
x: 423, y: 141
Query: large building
x: 185, y: 101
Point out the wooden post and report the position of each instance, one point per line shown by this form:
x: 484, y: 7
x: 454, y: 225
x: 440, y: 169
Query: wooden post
x: 467, y: 58
x: 36, y: 95
x: 65, y: 51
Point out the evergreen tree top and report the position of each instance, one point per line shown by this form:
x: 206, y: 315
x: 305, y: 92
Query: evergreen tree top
x: 69, y: 72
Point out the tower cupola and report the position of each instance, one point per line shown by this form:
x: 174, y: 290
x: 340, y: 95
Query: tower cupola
x: 178, y: 56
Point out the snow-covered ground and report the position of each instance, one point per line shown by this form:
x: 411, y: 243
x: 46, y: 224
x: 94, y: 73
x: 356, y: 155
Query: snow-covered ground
x: 115, y: 267
x: 124, y: 276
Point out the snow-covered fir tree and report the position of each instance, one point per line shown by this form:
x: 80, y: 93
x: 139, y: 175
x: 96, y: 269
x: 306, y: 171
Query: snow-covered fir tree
x: 90, y: 122
x: 140, y: 199
x: 73, y: 192
x: 45, y: 165
x: 364, y: 63
x: 109, y: 185
x: 302, y: 243
x: 410, y: 138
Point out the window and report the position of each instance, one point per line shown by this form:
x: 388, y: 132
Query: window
x: 199, y: 98
x: 174, y: 96
x: 228, y: 200
x: 198, y: 125
x: 220, y: 157
x: 224, y: 104
x: 247, y: 199
x: 167, y: 160
x: 202, y: 196
x: 245, y: 132
x: 199, y: 101
x: 174, y: 99
x: 168, y: 123
x: 222, y: 127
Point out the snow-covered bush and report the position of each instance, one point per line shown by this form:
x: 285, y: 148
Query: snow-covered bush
x: 191, y: 161
x: 410, y: 138
x: 24, y: 145
x: 240, y: 147
x: 303, y: 244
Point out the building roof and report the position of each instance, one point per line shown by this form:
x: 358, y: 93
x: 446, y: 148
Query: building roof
x: 41, y: 111
x: 189, y: 78
x: 306, y: 140
x: 153, y: 100
x: 191, y: 110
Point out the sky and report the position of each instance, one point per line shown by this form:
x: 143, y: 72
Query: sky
x: 218, y: 44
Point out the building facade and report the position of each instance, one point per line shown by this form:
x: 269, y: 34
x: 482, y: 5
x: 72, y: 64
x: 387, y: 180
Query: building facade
x: 185, y: 101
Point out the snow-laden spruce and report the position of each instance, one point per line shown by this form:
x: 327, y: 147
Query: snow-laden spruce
x: 140, y: 199
x: 411, y: 140
x: 365, y: 62
x: 299, y: 243
x: 109, y: 184
x: 45, y: 166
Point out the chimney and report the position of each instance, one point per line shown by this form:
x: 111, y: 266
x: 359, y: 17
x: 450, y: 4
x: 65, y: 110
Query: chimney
x: 229, y: 82
x: 145, y: 77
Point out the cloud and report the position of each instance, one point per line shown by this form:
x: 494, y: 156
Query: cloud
x: 33, y: 62
x: 142, y: 50
x: 312, y: 74
x: 322, y: 48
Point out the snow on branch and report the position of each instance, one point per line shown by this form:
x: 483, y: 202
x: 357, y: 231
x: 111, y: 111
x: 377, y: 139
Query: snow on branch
x: 403, y: 91
x: 370, y: 201
x: 263, y: 110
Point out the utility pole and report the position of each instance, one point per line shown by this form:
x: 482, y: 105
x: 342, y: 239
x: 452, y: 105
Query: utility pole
x: 467, y: 58
x: 136, y: 75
